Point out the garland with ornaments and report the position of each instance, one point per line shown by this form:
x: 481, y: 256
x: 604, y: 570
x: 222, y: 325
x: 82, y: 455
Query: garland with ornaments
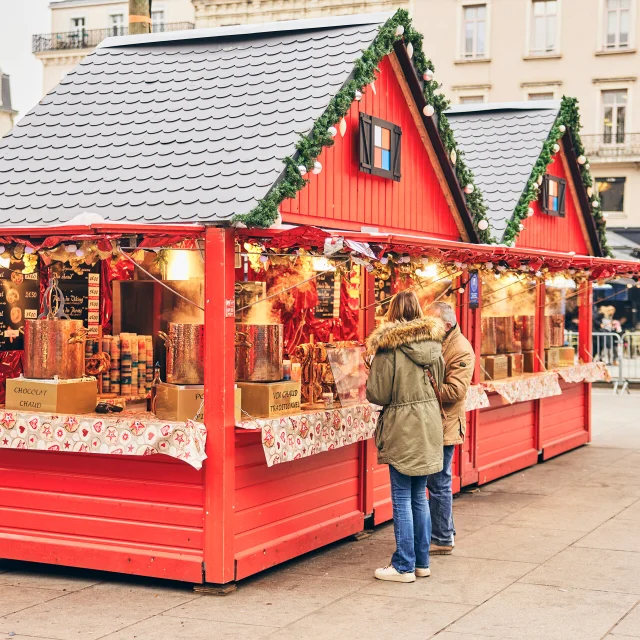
x: 568, y: 118
x: 309, y: 147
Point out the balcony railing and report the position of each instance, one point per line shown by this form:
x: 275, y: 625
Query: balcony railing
x: 90, y: 38
x: 612, y: 146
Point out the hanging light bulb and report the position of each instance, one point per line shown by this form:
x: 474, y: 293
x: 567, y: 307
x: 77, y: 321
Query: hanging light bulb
x: 454, y: 156
x: 582, y: 160
x: 384, y: 260
x: 27, y: 250
x: 343, y: 127
x: 71, y: 248
x: 469, y: 189
x: 428, y: 110
x: 483, y: 225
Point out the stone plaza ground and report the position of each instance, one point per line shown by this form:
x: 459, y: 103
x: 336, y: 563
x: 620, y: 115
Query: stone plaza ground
x: 550, y: 552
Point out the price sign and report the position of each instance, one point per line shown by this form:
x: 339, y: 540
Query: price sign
x: 19, y: 301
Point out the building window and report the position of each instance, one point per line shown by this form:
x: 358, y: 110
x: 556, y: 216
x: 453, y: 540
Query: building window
x: 553, y: 195
x: 541, y: 96
x: 614, y: 111
x: 544, y: 26
x: 611, y: 192
x: 617, y: 22
x: 380, y: 146
x: 471, y: 99
x: 116, y: 24
x: 77, y: 24
x: 157, y: 20
x: 474, y: 30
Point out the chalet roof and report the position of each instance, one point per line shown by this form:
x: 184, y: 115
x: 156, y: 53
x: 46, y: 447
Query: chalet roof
x: 501, y: 144
x: 176, y: 127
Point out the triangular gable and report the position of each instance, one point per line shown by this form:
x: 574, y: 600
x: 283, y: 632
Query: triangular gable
x: 342, y: 196
x: 553, y: 233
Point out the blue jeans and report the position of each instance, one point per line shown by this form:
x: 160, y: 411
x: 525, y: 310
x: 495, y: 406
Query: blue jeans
x: 411, y: 521
x: 441, y: 501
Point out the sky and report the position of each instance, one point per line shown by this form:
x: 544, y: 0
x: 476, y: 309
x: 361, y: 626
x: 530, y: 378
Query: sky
x: 19, y: 20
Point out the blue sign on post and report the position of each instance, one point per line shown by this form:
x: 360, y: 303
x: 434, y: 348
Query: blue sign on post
x: 474, y: 293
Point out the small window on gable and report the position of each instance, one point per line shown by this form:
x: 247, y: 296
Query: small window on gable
x: 380, y: 147
x: 552, y: 197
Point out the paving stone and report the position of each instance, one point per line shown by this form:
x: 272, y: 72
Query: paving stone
x: 458, y: 580
x: 276, y: 599
x: 598, y: 569
x: 166, y: 626
x: 629, y: 625
x: 39, y: 576
x: 630, y: 513
x: 517, y: 544
x: 618, y: 534
x: 492, y: 504
x: 95, y: 611
x: 369, y: 616
x: 12, y: 600
x: 454, y: 635
x: 531, y: 612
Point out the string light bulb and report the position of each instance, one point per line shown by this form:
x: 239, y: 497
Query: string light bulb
x: 343, y: 127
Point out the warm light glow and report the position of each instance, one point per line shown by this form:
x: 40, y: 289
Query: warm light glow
x: 430, y: 271
x: 182, y: 265
x: 560, y: 282
x: 5, y: 262
x: 320, y: 263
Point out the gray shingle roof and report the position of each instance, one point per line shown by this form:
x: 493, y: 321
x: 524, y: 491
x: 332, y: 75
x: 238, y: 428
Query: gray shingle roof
x: 187, y: 127
x: 501, y: 144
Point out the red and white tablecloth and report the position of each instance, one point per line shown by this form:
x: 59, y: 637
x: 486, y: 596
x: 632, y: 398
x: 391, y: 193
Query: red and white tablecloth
x: 532, y: 386
x: 587, y: 372
x: 127, y: 434
x: 476, y: 398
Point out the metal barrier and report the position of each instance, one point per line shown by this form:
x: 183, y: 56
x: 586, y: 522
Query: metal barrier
x: 612, y: 349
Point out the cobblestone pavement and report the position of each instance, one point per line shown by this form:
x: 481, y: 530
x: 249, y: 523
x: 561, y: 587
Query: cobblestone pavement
x: 550, y: 552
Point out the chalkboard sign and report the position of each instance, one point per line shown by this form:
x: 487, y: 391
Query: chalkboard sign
x: 328, y: 289
x: 82, y: 295
x: 19, y: 301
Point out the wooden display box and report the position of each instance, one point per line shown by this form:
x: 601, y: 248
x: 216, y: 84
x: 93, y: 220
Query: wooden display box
x: 497, y: 367
x: 567, y: 356
x: 180, y: 402
x: 515, y: 363
x: 55, y: 396
x: 552, y: 358
x: 270, y: 399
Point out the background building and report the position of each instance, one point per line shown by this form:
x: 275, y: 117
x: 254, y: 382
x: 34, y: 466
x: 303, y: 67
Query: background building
x: 78, y: 26
x: 7, y: 114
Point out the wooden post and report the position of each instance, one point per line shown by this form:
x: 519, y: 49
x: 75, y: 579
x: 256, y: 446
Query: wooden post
x: 219, y: 406
x: 139, y: 16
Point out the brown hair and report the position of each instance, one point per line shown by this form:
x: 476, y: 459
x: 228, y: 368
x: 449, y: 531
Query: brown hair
x: 405, y: 306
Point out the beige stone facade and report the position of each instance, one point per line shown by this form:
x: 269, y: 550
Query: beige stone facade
x: 510, y: 50
x: 7, y: 114
x: 78, y: 26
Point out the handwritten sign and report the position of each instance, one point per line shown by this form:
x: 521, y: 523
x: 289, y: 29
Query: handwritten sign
x: 19, y: 301
x: 82, y: 295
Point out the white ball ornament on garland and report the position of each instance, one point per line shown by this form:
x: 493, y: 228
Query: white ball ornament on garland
x: 587, y: 166
x: 589, y: 191
x: 562, y: 128
x: 469, y: 189
x: 399, y: 30
x: 483, y: 225
x: 595, y: 204
x: 582, y: 160
x: 410, y: 50
x: 556, y: 148
x: 317, y: 168
x: 27, y: 250
x: 302, y: 169
x: 428, y: 110
x: 357, y: 95
x: 71, y: 248
x: 332, y: 131
x: 521, y: 227
x: 428, y: 75
x: 530, y: 212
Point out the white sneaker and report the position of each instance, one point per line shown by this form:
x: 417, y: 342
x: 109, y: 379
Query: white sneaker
x: 391, y: 574
x: 423, y: 573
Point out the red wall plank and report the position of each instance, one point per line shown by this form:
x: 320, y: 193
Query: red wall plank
x: 416, y: 203
x: 550, y: 232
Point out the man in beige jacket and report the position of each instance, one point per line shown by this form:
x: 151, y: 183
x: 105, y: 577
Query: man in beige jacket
x: 459, y: 360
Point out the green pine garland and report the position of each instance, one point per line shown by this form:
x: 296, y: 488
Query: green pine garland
x: 569, y: 117
x: 310, y: 146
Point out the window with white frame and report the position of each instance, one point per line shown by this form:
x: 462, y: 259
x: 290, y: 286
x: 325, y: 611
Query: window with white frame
x: 77, y: 24
x: 544, y: 27
x: 471, y: 99
x: 541, y: 95
x: 157, y: 20
x: 474, y: 31
x: 116, y: 24
x: 614, y: 116
x: 617, y: 21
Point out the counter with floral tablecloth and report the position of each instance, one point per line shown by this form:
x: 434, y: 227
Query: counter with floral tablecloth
x: 476, y: 398
x: 533, y: 386
x: 587, y: 372
x: 128, y: 433
x: 305, y: 434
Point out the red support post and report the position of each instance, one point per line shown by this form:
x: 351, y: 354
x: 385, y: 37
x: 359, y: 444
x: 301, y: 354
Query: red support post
x: 368, y: 453
x: 585, y: 322
x: 219, y: 406
x: 541, y: 295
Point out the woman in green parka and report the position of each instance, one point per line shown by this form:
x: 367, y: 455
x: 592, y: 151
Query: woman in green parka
x: 405, y: 378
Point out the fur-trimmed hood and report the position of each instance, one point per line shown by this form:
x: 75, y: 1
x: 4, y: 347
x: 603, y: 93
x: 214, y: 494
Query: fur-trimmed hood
x: 408, y: 335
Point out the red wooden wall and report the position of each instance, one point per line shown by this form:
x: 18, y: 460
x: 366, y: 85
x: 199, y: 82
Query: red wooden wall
x: 131, y: 515
x: 348, y: 198
x: 552, y: 233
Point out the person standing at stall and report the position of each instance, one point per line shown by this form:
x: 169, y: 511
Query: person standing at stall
x: 459, y: 360
x: 405, y: 379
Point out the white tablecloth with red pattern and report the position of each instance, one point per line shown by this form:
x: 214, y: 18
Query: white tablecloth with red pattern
x: 532, y: 386
x: 587, y: 372
x: 127, y: 434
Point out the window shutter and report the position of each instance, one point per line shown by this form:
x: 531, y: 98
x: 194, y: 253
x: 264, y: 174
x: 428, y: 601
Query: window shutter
x: 396, y: 150
x: 366, y: 143
x: 562, y: 188
x: 544, y: 194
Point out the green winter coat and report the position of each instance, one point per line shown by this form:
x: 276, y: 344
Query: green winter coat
x: 410, y: 436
